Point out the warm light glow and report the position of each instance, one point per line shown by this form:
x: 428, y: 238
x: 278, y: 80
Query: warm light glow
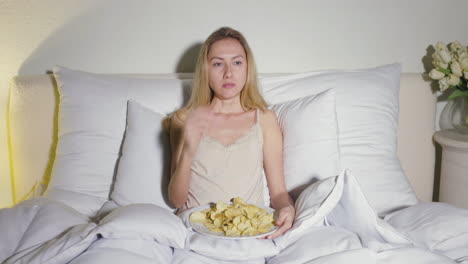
x: 19, y: 191
x: 12, y: 179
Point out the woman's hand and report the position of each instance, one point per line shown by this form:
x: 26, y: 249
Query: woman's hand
x: 284, y: 221
x: 197, y: 122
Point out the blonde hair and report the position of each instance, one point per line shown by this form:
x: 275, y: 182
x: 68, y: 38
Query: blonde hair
x: 250, y: 97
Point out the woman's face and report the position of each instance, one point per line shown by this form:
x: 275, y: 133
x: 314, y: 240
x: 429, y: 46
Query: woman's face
x: 227, y: 72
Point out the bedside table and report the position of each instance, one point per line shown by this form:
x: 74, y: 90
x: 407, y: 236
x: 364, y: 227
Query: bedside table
x: 454, y: 167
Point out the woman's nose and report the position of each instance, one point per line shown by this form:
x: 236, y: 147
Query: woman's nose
x: 227, y: 72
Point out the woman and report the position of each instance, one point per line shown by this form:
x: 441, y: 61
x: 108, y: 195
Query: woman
x: 225, y: 136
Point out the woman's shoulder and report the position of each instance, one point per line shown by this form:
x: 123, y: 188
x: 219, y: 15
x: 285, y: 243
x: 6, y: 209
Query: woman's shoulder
x: 270, y: 126
x: 177, y: 118
x: 268, y: 116
x: 179, y: 115
x: 268, y: 120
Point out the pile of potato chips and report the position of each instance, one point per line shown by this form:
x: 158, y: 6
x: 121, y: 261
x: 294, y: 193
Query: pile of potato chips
x: 238, y: 219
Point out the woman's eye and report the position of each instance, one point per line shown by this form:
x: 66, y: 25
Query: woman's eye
x: 216, y: 64
x: 238, y: 62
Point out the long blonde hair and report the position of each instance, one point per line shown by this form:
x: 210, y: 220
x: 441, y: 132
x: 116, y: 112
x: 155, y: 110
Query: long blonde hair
x: 250, y: 97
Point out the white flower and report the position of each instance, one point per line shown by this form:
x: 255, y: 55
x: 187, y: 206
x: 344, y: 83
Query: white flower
x: 442, y: 53
x: 456, y: 69
x: 436, y: 74
x: 445, y: 55
x: 453, y: 80
x: 463, y: 55
x: 450, y: 65
x: 456, y: 45
x: 464, y: 63
x: 440, y: 64
x: 458, y: 50
x: 436, y: 57
x: 440, y: 46
x: 443, y: 84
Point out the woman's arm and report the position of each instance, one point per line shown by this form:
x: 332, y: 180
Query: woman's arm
x: 180, y: 164
x: 273, y: 165
x: 185, y: 133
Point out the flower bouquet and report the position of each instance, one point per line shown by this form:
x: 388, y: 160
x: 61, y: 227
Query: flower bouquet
x: 451, y: 71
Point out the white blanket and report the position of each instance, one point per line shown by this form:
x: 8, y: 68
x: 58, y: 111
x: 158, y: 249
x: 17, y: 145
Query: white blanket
x: 32, y: 223
x: 334, y: 224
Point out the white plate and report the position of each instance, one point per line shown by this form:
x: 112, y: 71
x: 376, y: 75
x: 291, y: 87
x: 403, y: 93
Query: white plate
x: 202, y: 229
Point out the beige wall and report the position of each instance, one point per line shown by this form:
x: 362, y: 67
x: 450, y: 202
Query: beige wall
x: 145, y: 36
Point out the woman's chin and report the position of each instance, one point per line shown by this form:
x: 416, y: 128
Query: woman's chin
x: 228, y: 95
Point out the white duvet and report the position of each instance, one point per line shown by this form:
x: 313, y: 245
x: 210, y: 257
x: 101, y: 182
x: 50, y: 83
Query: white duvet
x: 334, y: 224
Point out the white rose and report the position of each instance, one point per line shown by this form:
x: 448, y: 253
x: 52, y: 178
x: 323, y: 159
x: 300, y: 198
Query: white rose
x: 442, y: 53
x: 458, y: 50
x: 453, y: 80
x: 436, y: 74
x: 440, y: 46
x: 445, y: 55
x: 436, y: 56
x: 463, y: 55
x: 456, y: 45
x: 456, y: 69
x: 464, y: 64
x: 443, y: 84
x: 440, y: 64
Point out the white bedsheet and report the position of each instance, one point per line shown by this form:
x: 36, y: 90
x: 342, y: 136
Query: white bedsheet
x: 334, y: 224
x: 132, y: 251
x: 32, y: 223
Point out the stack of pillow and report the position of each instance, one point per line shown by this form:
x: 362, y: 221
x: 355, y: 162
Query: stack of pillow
x: 112, y: 146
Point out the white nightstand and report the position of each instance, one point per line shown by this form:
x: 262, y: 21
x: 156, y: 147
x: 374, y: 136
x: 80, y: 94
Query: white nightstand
x: 454, y: 168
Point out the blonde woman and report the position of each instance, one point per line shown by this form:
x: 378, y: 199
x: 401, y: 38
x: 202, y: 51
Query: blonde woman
x: 225, y: 136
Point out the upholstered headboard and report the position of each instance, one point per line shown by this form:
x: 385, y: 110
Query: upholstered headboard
x: 32, y: 132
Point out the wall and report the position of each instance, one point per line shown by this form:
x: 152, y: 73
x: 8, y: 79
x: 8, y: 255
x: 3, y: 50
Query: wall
x: 145, y: 36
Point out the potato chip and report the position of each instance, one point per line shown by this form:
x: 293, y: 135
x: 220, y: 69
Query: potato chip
x: 233, y: 232
x: 198, y: 217
x: 221, y: 206
x: 265, y: 219
x: 236, y: 220
x: 250, y: 232
x: 218, y: 221
x: 232, y: 212
x: 250, y: 210
x: 243, y: 226
x: 238, y: 202
x: 264, y: 227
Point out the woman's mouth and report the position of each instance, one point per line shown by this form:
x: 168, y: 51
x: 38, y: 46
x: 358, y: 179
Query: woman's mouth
x: 228, y: 85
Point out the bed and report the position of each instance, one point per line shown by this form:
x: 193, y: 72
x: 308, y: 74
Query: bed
x: 85, y: 173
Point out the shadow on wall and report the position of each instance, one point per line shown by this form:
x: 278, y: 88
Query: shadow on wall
x: 104, y: 42
x: 97, y: 40
x: 188, y: 59
x: 427, y: 63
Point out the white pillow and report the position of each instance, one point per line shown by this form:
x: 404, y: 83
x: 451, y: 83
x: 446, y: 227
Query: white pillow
x: 146, y: 222
x: 312, y: 206
x: 91, y: 125
x: 144, y: 167
x: 310, y: 141
x: 310, y: 149
x: 367, y: 112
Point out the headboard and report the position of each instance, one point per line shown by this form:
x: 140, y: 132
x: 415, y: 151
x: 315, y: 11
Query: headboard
x: 32, y: 132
